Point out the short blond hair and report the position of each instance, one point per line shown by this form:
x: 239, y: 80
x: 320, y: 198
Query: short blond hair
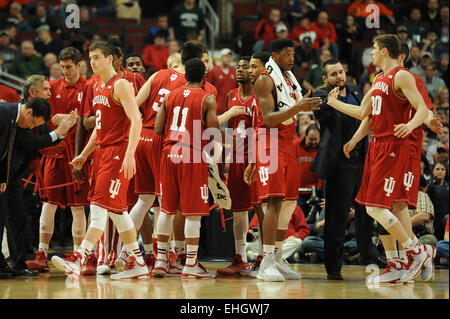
x: 32, y: 82
x: 174, y: 59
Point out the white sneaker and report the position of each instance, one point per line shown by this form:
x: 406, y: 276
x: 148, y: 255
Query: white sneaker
x: 161, y: 268
x: 428, y: 268
x: 415, y: 263
x: 268, y: 270
x: 133, y: 270
x: 286, y: 271
x: 103, y: 270
x: 122, y: 260
x: 197, y: 271
x: 392, y: 274
x: 176, y: 269
x: 70, y: 265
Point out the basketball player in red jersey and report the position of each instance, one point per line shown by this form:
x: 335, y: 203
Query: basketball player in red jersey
x: 391, y: 95
x: 65, y: 97
x: 396, y: 258
x: 115, y: 138
x: 239, y: 104
x: 184, y: 180
x: 279, y: 101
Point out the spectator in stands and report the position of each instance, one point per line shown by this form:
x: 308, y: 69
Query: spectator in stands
x: 443, y: 30
x: 306, y: 150
x: 402, y: 33
x: 303, y: 121
x: 417, y: 28
x: 304, y: 29
x: 155, y: 55
x: 7, y: 53
x: 87, y: 28
x: 347, y: 34
x: 359, y: 10
x: 55, y: 72
x: 300, y: 8
x: 281, y: 31
x: 432, y: 82
x: 432, y: 16
x: 85, y: 71
x: 42, y: 18
x: 47, y: 43
x: 422, y: 216
x: 28, y: 62
x: 133, y: 62
x: 442, y: 248
x: 438, y: 191
x: 265, y: 30
x: 305, y: 54
x: 128, y: 9
x: 440, y: 98
x: 431, y: 44
x: 161, y: 24
x: 15, y: 17
x: 184, y: 18
x: 11, y: 29
x: 173, y: 46
x: 223, y: 77
x: 413, y: 63
x: 425, y: 167
x: 442, y: 141
x: 442, y: 68
x: 295, y: 234
x: 314, y: 81
x: 328, y: 36
x: 49, y: 59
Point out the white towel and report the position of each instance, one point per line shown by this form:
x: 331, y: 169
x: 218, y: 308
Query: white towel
x: 284, y: 98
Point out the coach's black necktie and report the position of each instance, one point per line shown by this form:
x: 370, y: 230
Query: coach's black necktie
x: 12, y: 137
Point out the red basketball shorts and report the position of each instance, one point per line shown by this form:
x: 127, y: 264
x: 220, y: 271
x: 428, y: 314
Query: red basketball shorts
x: 109, y: 188
x: 283, y: 182
x: 132, y: 197
x: 148, y: 154
x: 384, y: 170
x: 57, y: 171
x: 411, y: 178
x: 184, y: 185
x: 241, y: 196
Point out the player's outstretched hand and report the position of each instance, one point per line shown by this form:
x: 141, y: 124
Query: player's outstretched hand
x: 333, y: 95
x: 128, y: 166
x: 237, y: 110
x: 307, y: 104
x: 78, y: 162
x: 402, y: 130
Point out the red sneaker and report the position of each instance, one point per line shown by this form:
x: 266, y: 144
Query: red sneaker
x: 39, y: 263
x: 150, y: 262
x: 172, y: 257
x: 90, y: 266
x: 255, y: 266
x: 236, y: 268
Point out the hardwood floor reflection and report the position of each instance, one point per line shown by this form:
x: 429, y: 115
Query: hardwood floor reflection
x: 313, y: 285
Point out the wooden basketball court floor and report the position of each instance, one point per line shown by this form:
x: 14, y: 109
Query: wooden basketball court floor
x: 313, y: 285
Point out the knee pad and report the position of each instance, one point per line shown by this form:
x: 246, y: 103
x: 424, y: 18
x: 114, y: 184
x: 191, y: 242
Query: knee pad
x: 164, y: 224
x: 99, y: 217
x: 383, y: 216
x: 142, y: 206
x: 78, y: 222
x: 122, y: 221
x: 47, y: 218
x: 287, y: 209
x: 192, y: 227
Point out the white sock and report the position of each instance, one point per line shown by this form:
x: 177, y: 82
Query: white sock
x: 135, y: 251
x: 411, y: 244
x: 268, y: 249
x: 191, y: 254
x: 391, y: 254
x: 179, y: 247
x: 278, y: 249
x: 402, y: 256
x: 240, y: 249
x: 43, y: 247
x: 162, y: 250
x: 148, y: 248
x: 85, y: 248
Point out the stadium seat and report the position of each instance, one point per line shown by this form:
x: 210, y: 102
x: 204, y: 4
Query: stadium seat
x: 266, y: 7
x: 244, y: 9
x: 336, y: 11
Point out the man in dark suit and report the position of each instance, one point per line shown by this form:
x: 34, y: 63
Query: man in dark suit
x: 18, y: 144
x: 342, y: 175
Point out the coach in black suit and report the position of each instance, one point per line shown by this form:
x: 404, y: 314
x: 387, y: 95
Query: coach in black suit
x: 16, y: 119
x: 342, y: 175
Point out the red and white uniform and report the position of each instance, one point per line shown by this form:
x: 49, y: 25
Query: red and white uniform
x: 184, y: 173
x: 411, y: 179
x: 277, y: 174
x: 148, y: 152
x: 108, y: 186
x: 241, y: 199
x: 387, y: 156
x: 64, y: 98
x: 224, y: 82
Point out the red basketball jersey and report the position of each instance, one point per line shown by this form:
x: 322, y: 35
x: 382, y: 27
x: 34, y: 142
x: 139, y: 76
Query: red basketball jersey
x: 136, y: 79
x: 240, y: 123
x: 286, y: 132
x: 184, y: 116
x: 388, y: 109
x: 88, y: 95
x: 111, y: 121
x: 163, y: 83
